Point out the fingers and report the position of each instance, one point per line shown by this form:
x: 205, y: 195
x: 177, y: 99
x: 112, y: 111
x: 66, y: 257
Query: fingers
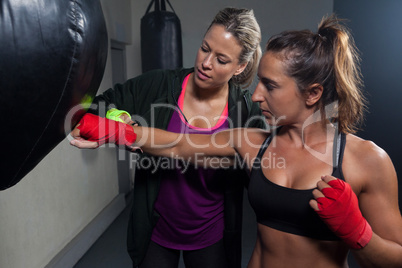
x: 126, y: 119
x: 328, y: 178
x: 314, y: 204
x: 75, y: 132
x: 84, y: 144
x: 135, y: 149
x: 324, y: 182
x: 80, y: 142
x: 317, y: 193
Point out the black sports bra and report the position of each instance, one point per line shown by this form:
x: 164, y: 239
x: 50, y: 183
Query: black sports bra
x: 287, y: 209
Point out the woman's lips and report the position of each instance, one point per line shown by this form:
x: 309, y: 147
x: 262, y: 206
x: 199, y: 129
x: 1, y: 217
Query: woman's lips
x: 266, y: 113
x: 201, y: 75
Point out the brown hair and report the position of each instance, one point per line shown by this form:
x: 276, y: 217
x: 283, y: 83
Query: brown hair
x: 329, y: 58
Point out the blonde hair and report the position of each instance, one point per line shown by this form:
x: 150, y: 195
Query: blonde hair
x: 242, y: 24
x: 329, y: 58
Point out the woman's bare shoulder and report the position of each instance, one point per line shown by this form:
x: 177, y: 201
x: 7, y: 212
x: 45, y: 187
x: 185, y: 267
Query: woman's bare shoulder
x: 367, y: 151
x: 249, y: 140
x: 365, y: 163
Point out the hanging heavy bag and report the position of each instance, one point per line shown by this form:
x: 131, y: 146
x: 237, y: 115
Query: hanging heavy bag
x: 161, y: 45
x: 52, y: 57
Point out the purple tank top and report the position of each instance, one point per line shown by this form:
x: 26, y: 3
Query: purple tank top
x: 190, y: 200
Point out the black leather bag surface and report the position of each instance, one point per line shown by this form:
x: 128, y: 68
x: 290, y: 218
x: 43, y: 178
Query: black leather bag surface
x: 52, y: 57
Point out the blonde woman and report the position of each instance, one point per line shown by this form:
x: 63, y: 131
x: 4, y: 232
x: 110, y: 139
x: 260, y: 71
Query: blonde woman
x: 196, y: 212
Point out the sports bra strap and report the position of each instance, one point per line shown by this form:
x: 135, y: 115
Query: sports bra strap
x: 266, y: 143
x: 337, y: 149
x: 338, y: 152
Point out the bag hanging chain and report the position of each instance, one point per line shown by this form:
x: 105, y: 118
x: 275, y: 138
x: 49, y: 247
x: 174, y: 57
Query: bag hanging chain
x: 157, y: 7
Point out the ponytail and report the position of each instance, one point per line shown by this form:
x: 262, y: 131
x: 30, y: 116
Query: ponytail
x: 347, y: 74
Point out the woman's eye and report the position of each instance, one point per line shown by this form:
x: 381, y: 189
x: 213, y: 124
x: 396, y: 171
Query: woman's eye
x: 268, y: 84
x: 204, y: 49
x: 221, y: 61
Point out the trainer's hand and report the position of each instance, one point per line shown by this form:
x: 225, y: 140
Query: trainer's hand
x: 119, y: 115
x: 127, y: 119
x: 337, y: 205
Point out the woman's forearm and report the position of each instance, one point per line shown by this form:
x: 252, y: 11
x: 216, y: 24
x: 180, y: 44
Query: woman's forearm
x: 188, y: 146
x: 93, y: 131
x: 379, y: 253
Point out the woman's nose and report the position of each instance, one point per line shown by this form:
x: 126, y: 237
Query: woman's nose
x: 257, y: 96
x: 207, y: 63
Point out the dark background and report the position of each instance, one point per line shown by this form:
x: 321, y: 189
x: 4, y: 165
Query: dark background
x: 377, y: 29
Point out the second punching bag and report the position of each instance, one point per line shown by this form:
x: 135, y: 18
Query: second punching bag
x: 161, y: 46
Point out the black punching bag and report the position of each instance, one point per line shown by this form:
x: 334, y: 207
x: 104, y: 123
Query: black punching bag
x: 52, y: 57
x: 161, y: 46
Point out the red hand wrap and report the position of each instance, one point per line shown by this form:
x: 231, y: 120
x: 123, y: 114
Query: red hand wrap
x: 339, y: 209
x: 102, y: 130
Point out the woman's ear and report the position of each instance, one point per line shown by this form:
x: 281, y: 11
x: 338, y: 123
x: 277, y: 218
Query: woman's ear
x: 241, y: 68
x: 313, y: 94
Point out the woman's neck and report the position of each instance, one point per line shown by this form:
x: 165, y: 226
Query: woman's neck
x: 206, y: 94
x: 315, y: 133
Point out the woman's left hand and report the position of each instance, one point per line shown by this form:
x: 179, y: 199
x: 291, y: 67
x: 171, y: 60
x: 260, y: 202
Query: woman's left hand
x: 317, y: 193
x: 338, y: 206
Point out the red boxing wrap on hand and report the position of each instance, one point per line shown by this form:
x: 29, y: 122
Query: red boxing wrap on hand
x: 102, y: 130
x: 339, y: 209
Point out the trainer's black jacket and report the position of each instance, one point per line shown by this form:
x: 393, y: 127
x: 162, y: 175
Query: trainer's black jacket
x: 163, y: 87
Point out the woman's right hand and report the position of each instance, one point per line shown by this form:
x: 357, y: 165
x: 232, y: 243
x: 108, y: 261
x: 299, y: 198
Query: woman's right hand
x: 93, y: 131
x: 80, y: 142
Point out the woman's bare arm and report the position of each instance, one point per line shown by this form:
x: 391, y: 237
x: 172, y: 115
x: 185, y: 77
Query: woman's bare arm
x: 192, y: 147
x: 378, y: 201
x: 188, y: 146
